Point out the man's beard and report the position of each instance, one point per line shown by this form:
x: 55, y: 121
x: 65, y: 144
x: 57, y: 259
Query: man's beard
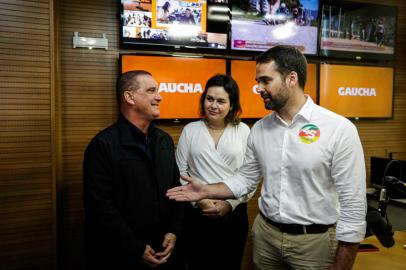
x: 277, y: 102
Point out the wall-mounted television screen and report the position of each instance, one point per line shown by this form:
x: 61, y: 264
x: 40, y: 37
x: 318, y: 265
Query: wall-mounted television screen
x: 260, y: 25
x: 357, y: 91
x: 251, y: 102
x: 171, y: 23
x: 358, y: 30
x: 181, y: 80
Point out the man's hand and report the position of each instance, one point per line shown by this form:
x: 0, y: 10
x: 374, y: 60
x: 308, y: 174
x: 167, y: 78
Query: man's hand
x: 192, y: 192
x: 149, y: 257
x: 168, y: 245
x: 345, y: 257
x: 220, y: 209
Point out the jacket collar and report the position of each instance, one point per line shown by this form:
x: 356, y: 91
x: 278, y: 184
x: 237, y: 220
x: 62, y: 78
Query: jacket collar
x: 130, y: 134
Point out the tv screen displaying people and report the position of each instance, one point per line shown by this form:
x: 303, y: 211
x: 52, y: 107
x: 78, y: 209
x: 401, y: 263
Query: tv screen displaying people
x: 168, y: 22
x: 258, y: 25
x: 358, y: 30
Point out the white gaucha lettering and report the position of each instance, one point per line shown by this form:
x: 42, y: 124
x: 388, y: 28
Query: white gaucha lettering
x: 188, y: 87
x: 355, y: 91
x: 162, y: 88
x: 180, y: 88
x: 198, y: 88
x: 172, y: 87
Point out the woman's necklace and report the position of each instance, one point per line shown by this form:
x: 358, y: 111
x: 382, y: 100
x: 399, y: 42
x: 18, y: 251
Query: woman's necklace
x: 215, y: 132
x: 214, y: 128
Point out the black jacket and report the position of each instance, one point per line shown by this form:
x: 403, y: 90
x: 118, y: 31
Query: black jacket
x: 124, y: 190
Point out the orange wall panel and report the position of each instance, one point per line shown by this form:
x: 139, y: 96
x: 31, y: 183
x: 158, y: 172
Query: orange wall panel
x: 180, y: 80
x: 355, y: 91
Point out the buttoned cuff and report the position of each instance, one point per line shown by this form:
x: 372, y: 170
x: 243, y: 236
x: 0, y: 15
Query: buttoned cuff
x: 237, y: 187
x: 352, y: 233
x: 233, y: 203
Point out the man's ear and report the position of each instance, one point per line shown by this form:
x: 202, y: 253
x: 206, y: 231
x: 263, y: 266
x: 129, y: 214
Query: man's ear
x: 292, y: 79
x: 129, y: 98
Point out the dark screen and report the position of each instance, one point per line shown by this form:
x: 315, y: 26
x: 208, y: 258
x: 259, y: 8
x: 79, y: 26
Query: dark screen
x: 378, y: 166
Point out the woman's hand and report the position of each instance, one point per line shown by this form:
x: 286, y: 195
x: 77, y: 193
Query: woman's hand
x: 220, y: 209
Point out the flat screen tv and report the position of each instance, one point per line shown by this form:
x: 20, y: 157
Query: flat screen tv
x: 172, y: 23
x: 358, y: 30
x: 181, y: 80
x: 357, y: 91
x: 260, y: 25
x: 251, y: 102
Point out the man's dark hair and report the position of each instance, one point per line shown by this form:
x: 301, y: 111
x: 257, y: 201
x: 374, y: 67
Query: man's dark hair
x: 128, y: 81
x: 287, y: 59
x: 231, y: 87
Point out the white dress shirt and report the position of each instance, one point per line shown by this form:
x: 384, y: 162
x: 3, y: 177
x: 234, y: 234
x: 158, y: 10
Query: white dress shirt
x: 197, y: 154
x: 313, y: 169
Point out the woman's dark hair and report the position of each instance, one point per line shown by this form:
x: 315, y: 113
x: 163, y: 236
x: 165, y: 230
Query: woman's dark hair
x: 166, y: 6
x: 231, y: 88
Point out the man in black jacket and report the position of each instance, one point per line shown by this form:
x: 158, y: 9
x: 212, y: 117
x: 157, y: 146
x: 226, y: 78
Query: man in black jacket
x: 127, y: 168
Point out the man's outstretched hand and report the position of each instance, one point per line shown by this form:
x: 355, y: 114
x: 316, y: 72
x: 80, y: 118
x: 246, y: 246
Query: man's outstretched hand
x: 191, y: 192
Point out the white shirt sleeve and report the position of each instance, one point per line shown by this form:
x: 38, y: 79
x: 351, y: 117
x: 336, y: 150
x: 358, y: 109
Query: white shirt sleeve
x: 182, y: 153
x: 244, y: 132
x: 348, y: 173
x: 249, y: 175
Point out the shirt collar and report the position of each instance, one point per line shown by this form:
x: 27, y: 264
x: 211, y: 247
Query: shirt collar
x: 305, y: 112
x: 307, y: 108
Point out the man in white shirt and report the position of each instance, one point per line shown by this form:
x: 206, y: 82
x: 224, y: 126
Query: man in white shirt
x: 313, y: 202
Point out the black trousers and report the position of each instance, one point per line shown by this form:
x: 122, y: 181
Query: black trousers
x: 215, y: 243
